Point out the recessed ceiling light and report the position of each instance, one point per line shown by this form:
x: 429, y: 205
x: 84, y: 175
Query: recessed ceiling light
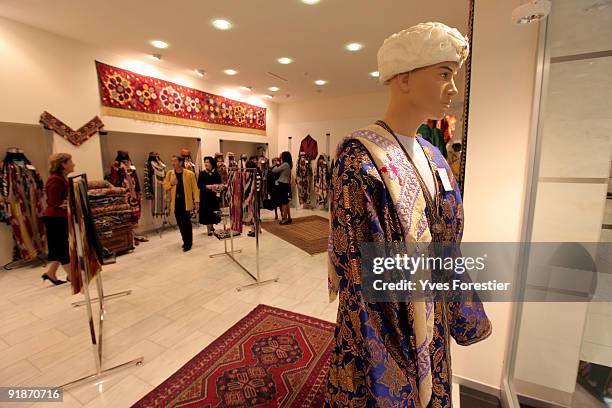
x: 156, y: 57
x: 159, y: 44
x: 221, y: 24
x: 269, y: 96
x: 374, y: 74
x: 354, y: 46
x: 285, y: 60
x: 320, y: 82
x: 200, y: 72
x: 310, y: 2
x: 246, y: 88
x: 230, y: 72
x: 274, y: 89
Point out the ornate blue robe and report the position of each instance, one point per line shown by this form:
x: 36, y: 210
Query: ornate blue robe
x: 375, y: 359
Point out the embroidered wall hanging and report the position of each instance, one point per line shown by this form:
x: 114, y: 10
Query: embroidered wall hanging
x: 128, y: 94
x: 76, y: 137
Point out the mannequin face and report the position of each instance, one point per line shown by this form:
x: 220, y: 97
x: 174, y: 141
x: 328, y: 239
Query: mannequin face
x: 427, y: 91
x: 207, y: 165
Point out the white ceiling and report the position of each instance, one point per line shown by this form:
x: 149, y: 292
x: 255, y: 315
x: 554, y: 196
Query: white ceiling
x: 264, y: 30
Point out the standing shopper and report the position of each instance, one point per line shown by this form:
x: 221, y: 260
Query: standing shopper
x: 56, y: 215
x: 283, y: 185
x: 209, y: 181
x: 184, y: 197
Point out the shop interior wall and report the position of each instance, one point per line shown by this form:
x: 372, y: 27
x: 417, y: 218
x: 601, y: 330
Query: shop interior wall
x: 44, y: 71
x: 239, y: 148
x: 37, y: 146
x: 139, y: 146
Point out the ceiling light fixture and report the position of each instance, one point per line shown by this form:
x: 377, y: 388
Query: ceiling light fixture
x: 221, y: 24
x: 374, y: 74
x: 156, y: 57
x: 159, y: 44
x: 310, y: 2
x: 200, y: 72
x: 320, y: 82
x: 274, y: 89
x: 247, y: 88
x: 284, y: 60
x: 230, y: 72
x: 354, y: 46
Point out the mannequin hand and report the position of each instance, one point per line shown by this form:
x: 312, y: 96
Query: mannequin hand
x: 173, y: 182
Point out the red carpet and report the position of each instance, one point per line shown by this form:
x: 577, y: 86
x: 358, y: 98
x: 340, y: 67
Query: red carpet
x: 270, y: 358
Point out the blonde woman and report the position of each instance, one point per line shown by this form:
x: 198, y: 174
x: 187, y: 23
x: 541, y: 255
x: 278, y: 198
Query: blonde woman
x: 56, y: 215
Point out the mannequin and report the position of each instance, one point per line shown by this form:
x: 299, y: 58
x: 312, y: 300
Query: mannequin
x: 398, y: 353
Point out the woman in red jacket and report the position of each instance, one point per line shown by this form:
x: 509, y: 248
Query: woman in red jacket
x: 56, y: 215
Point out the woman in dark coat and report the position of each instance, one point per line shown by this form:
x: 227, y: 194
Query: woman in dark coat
x: 209, y: 181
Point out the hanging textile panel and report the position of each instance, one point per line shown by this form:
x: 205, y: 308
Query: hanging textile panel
x: 128, y: 94
x: 76, y: 137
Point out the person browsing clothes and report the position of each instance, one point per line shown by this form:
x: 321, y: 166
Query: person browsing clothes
x: 184, y: 197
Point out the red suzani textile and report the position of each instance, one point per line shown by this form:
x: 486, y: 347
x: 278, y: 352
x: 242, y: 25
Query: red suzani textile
x: 270, y: 358
x: 128, y: 94
x: 76, y: 137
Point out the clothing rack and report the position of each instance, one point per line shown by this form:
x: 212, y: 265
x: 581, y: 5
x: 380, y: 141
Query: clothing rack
x: 18, y: 263
x: 232, y: 251
x: 96, y: 339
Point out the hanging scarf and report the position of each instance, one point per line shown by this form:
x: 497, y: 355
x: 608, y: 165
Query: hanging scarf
x: 402, y: 183
x: 248, y: 196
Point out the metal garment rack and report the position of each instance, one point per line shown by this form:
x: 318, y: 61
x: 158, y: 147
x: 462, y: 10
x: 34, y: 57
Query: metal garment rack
x: 106, y: 297
x: 232, y: 251
x: 96, y: 340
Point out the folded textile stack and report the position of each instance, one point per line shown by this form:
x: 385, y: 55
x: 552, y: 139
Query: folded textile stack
x: 113, y: 217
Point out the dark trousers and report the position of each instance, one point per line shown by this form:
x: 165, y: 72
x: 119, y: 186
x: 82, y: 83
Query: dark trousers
x: 183, y: 220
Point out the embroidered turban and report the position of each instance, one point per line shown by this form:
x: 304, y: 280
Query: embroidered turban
x: 420, y: 46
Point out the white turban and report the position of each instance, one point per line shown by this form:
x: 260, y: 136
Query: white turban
x: 420, y: 46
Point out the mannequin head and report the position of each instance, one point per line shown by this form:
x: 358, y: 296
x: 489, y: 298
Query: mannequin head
x: 419, y: 65
x: 425, y: 92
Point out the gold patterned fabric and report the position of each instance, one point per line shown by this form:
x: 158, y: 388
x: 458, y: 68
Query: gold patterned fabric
x: 376, y: 359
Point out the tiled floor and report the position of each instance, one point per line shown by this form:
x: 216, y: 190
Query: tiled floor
x: 180, y: 303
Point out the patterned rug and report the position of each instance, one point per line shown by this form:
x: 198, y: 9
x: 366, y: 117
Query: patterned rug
x: 307, y: 233
x: 270, y: 358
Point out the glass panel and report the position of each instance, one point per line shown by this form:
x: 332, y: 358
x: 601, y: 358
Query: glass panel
x: 564, y: 350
